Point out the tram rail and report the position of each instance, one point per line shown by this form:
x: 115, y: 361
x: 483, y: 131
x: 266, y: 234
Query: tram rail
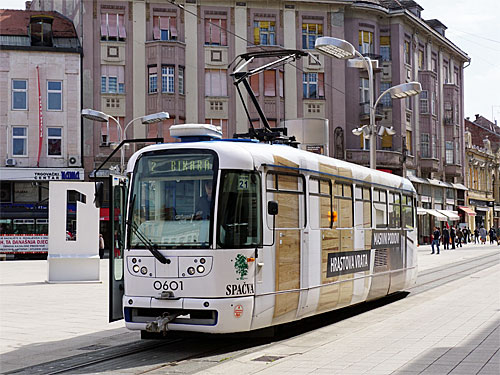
x: 187, y: 348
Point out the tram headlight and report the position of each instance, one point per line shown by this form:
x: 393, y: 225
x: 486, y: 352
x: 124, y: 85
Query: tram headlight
x: 134, y: 260
x: 144, y: 270
x: 202, y: 260
x: 136, y: 268
x: 191, y: 270
x: 200, y: 269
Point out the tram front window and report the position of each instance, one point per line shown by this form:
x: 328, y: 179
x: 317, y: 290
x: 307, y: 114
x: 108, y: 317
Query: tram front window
x: 171, y: 201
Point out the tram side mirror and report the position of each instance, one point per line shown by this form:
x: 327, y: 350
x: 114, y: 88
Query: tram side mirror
x: 272, y: 208
x: 99, y: 194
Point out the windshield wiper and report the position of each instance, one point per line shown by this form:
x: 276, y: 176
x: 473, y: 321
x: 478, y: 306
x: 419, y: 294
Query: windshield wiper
x: 152, y: 247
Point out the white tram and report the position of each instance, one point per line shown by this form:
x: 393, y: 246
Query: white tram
x: 236, y: 235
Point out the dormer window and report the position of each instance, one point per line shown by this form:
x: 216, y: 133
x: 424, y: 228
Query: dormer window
x: 41, y: 31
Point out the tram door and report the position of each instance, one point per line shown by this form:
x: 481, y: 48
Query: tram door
x: 117, y: 216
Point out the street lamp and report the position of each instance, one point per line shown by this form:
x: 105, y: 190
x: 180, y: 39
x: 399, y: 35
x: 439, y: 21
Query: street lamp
x: 94, y: 115
x: 342, y: 49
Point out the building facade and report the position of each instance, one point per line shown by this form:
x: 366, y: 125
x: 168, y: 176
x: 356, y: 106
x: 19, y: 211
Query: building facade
x: 482, y: 157
x: 142, y: 57
x: 40, y: 126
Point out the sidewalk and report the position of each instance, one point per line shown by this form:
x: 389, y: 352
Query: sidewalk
x: 40, y: 322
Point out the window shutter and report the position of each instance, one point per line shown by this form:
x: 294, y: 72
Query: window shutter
x: 207, y: 31
x: 269, y: 83
x: 173, y: 26
x: 256, y: 36
x: 121, y: 74
x: 223, y: 33
x: 208, y: 83
x: 215, y: 31
x: 254, y: 83
x: 361, y: 141
x: 121, y: 26
x: 321, y: 87
x: 282, y: 84
x: 163, y: 23
x: 156, y: 28
x: 104, y: 28
x: 112, y: 25
x: 385, y: 40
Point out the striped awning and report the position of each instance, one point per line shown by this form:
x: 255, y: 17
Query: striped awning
x: 421, y: 211
x: 438, y: 215
x: 467, y: 210
x: 450, y: 214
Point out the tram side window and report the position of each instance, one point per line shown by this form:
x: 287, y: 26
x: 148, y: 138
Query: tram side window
x: 320, y: 198
x: 343, y: 205
x: 394, y: 210
x: 407, y: 212
x: 239, y: 219
x: 363, y: 206
x: 380, y: 206
x: 288, y: 190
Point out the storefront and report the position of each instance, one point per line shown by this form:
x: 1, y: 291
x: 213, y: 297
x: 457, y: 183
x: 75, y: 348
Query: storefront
x: 24, y: 201
x: 484, y: 212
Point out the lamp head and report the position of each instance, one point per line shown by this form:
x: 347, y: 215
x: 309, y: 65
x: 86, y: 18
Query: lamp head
x: 357, y: 131
x: 94, y: 115
x: 405, y: 89
x: 155, y: 117
x: 334, y: 47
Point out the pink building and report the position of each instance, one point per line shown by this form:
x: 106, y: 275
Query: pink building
x: 40, y: 124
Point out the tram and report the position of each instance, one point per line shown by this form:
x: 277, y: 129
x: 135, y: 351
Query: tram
x: 235, y: 235
x: 227, y: 236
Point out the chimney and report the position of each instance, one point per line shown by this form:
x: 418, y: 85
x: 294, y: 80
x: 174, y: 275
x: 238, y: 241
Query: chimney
x: 27, y: 4
x: 467, y: 118
x: 477, y: 116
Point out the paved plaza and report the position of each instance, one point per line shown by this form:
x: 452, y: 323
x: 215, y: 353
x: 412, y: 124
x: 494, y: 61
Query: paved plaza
x: 453, y: 328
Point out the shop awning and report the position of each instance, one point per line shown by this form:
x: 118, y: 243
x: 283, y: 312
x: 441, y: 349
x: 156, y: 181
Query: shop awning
x: 459, y: 187
x: 484, y: 209
x: 450, y: 214
x: 417, y: 180
x: 438, y: 215
x: 440, y: 183
x: 421, y: 211
x: 467, y: 210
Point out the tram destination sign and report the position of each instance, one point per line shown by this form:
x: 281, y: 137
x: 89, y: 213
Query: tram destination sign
x: 347, y: 262
x: 383, y: 239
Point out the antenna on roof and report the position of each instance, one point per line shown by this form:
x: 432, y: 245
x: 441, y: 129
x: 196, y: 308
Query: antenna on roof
x: 282, y: 57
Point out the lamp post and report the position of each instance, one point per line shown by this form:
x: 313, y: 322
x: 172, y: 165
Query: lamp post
x: 342, y: 49
x: 94, y: 115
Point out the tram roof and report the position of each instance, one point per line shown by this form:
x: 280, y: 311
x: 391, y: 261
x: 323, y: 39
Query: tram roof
x: 246, y: 154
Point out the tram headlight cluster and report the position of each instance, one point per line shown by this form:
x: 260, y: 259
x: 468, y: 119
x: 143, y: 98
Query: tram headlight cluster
x: 200, y: 269
x: 136, y: 268
x: 144, y: 270
x: 191, y: 270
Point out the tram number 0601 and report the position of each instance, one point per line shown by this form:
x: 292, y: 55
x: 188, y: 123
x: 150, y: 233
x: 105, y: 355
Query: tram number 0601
x: 168, y: 285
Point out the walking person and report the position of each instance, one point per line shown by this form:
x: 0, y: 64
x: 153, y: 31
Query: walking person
x: 493, y: 235
x: 460, y: 236
x: 453, y: 234
x: 101, y: 246
x: 498, y: 235
x: 466, y: 235
x: 446, y: 238
x: 435, y: 239
x: 476, y: 235
x: 482, y: 234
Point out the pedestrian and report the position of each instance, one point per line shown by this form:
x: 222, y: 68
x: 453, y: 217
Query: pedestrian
x: 446, y: 238
x: 482, y: 234
x: 435, y: 239
x: 466, y: 235
x: 453, y: 234
x: 498, y: 235
x: 460, y: 237
x: 476, y: 235
x: 101, y: 246
x: 493, y: 235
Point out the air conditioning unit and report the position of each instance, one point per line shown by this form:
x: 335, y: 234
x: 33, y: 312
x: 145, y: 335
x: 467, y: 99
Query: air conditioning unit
x: 74, y: 161
x: 10, y: 162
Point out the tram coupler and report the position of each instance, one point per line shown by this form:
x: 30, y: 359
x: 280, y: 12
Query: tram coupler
x: 159, y: 325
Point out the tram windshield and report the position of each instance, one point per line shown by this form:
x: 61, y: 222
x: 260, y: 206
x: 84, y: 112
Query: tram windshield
x: 171, y: 201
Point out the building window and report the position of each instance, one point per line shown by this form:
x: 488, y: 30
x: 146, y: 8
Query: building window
x: 406, y: 51
x: 54, y: 95
x: 365, y: 42
x: 215, y: 82
x: 385, y: 48
x: 386, y: 141
x: 364, y: 143
x: 164, y: 28
x: 167, y: 79
x: 449, y: 152
x: 364, y: 91
x: 424, y: 145
x: 112, y: 79
x: 19, y: 141
x: 446, y: 73
x: 310, y: 32
x: 264, y: 33
x: 433, y: 102
x: 421, y: 59
x: 113, y: 26
x: 385, y: 101
x: 41, y: 31
x: 424, y: 102
x: 409, y: 142
x: 20, y: 94
x: 254, y: 84
x: 281, y: 75
x: 434, y: 64
x: 219, y: 122
x: 270, y: 83
x: 181, y: 80
x: 54, y: 141
x: 434, y: 146
x: 313, y: 85
x: 152, y: 79
x: 215, y: 31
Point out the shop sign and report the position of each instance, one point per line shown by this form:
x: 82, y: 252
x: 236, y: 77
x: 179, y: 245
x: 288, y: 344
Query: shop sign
x: 24, y: 243
x: 44, y: 174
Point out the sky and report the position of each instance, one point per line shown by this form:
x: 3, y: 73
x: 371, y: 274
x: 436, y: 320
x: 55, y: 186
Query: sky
x: 472, y: 26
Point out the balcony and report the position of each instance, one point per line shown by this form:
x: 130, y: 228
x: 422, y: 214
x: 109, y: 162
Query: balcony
x: 429, y: 165
x: 385, y: 159
x: 453, y: 170
x: 364, y: 113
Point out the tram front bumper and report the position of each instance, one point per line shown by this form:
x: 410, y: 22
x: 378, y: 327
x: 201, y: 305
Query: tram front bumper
x: 217, y: 315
